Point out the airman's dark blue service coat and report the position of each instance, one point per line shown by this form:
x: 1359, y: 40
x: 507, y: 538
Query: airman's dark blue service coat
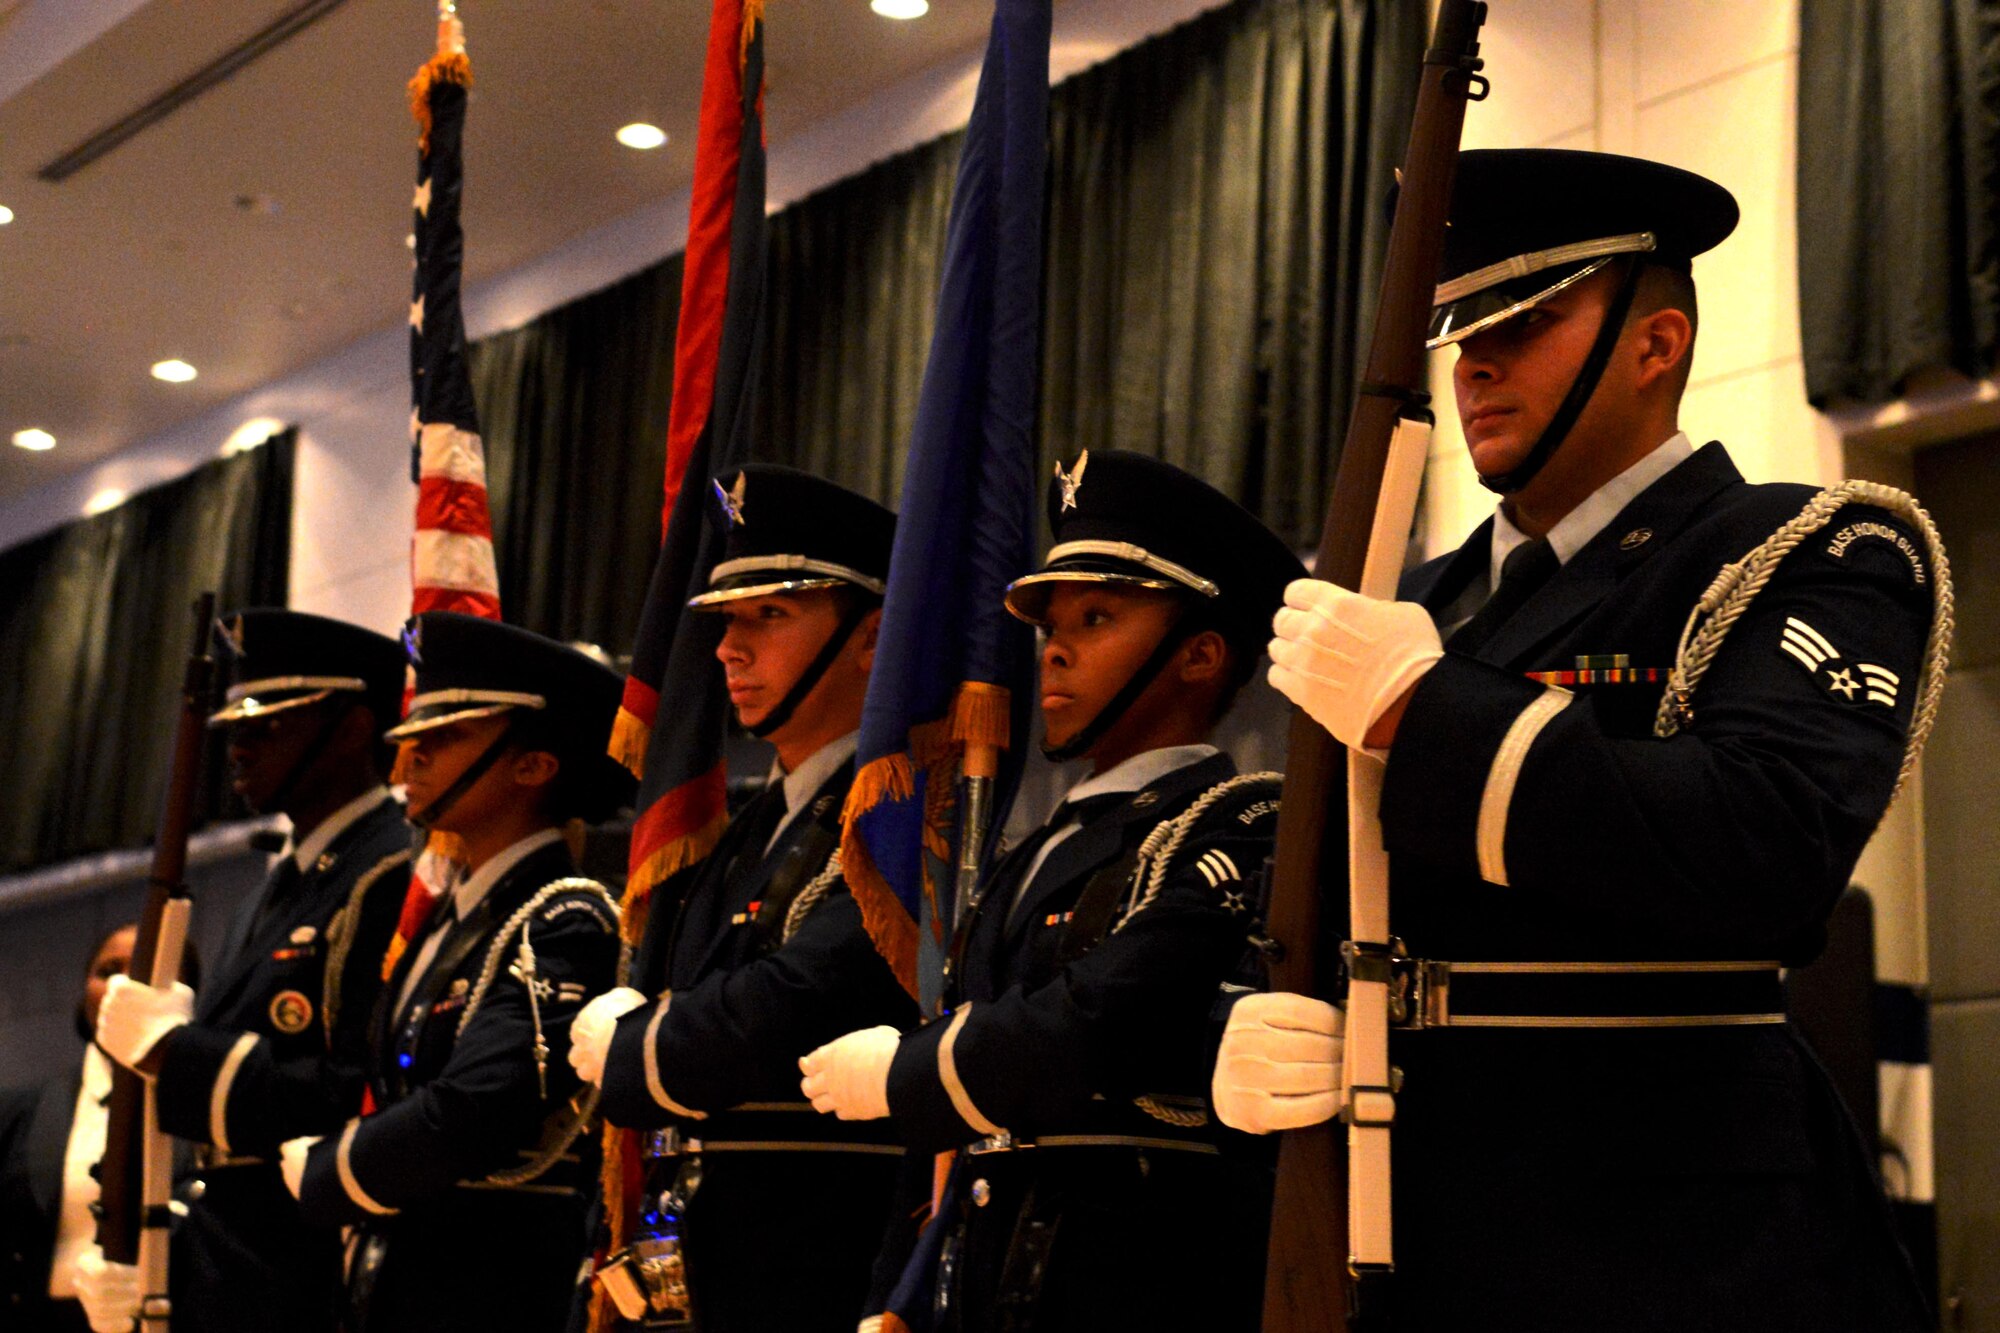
x: 278, y: 1049
x: 774, y: 1237
x: 441, y: 1245
x: 1060, y: 1026
x: 1700, y: 1177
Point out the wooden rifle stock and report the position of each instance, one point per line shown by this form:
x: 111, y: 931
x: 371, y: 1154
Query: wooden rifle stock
x: 1308, y: 1287
x: 122, y: 1201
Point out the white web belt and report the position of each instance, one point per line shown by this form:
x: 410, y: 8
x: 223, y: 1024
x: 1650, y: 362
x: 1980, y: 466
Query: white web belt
x: 1366, y: 1078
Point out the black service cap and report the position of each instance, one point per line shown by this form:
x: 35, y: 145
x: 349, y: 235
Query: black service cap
x: 274, y: 660
x: 790, y: 531
x: 1123, y: 517
x: 1527, y: 222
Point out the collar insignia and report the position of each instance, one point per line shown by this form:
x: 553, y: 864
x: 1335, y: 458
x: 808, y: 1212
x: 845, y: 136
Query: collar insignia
x: 732, y: 500
x: 1072, y: 480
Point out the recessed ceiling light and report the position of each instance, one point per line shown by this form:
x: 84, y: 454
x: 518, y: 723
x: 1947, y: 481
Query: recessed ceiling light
x: 108, y: 498
x: 6, y: 215
x: 38, y: 440
x: 175, y: 371
x: 900, y: 9
x: 642, y: 136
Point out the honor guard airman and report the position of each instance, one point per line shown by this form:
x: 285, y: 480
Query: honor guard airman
x: 1092, y: 1189
x: 275, y: 1045
x: 467, y: 1183
x: 1638, y: 729
x: 763, y: 1214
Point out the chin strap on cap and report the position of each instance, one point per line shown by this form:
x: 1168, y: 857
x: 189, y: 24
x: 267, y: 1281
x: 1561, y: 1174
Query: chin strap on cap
x: 462, y: 784
x: 314, y: 748
x: 842, y: 632
x: 1580, y: 389
x: 1186, y: 625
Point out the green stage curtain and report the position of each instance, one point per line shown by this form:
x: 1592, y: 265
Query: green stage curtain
x: 1898, y: 193
x: 1218, y: 208
x: 94, y: 621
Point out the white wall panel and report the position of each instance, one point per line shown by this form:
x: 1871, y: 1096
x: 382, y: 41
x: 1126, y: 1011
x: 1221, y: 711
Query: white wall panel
x: 1737, y: 131
x: 1684, y: 42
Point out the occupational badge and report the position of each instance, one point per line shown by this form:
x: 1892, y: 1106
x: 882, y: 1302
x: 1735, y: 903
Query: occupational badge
x: 291, y: 1012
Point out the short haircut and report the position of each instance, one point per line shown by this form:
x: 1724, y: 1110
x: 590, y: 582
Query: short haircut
x: 1669, y: 287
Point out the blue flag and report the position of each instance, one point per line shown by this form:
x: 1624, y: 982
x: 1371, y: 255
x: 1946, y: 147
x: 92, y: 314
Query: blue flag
x: 951, y: 665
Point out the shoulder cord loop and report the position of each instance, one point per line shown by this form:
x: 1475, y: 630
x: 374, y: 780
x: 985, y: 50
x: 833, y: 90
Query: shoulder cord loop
x: 1156, y: 857
x: 583, y: 1107
x: 1156, y: 853
x: 1739, y: 582
x: 810, y: 897
x: 340, y: 933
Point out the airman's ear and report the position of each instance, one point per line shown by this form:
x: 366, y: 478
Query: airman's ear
x: 1204, y: 657
x: 1666, y: 340
x: 535, y: 768
x: 870, y: 631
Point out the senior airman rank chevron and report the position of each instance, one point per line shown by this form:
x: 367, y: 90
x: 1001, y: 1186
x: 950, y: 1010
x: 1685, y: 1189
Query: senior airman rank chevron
x: 1856, y: 682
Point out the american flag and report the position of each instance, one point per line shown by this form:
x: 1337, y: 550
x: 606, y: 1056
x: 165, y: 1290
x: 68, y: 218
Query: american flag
x: 451, y: 556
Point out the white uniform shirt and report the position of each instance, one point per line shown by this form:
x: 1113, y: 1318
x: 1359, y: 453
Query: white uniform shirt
x: 1140, y: 771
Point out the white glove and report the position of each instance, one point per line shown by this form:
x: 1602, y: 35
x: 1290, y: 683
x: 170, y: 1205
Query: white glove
x: 1279, y: 1066
x: 134, y: 1016
x: 591, y: 1030
x: 849, y: 1076
x: 292, y: 1162
x: 110, y: 1292
x: 1345, y: 658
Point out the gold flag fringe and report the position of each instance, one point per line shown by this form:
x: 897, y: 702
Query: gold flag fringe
x: 656, y: 869
x: 753, y: 14
x: 630, y: 737
x: 447, y: 66
x: 980, y: 715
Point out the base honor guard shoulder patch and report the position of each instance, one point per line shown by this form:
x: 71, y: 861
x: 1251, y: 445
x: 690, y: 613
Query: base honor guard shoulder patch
x: 291, y: 1012
x: 1870, y: 535
x: 1848, y: 680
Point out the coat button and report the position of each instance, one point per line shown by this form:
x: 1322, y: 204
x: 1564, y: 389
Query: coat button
x: 197, y: 1187
x: 982, y: 1193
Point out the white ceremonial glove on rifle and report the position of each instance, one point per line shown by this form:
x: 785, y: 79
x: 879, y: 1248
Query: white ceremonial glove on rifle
x: 1279, y: 1065
x: 292, y: 1162
x: 590, y: 1032
x: 1345, y: 658
x: 849, y: 1076
x: 134, y: 1016
x: 110, y: 1292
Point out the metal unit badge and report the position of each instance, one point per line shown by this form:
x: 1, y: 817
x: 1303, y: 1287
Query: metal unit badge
x: 732, y: 499
x: 1072, y: 480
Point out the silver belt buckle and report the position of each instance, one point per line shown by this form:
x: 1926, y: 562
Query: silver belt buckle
x: 1001, y: 1142
x: 668, y: 1142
